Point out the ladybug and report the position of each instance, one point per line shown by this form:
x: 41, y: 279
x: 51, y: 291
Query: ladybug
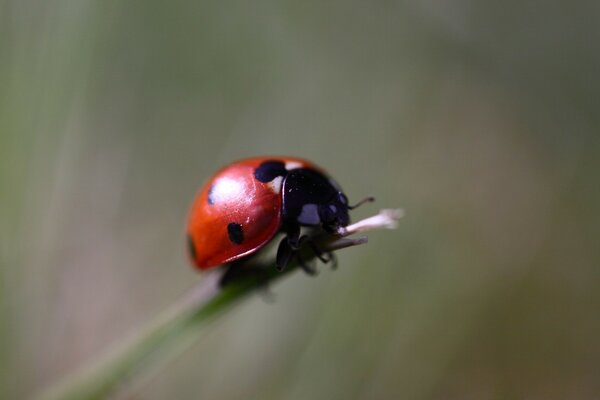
x: 245, y: 204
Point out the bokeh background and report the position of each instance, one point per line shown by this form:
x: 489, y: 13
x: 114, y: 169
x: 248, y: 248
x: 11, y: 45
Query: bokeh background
x: 480, y: 118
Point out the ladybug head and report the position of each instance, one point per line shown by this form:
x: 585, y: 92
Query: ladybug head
x: 335, y: 213
x: 311, y: 199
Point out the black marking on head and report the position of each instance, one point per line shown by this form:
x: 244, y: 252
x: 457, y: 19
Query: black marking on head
x: 269, y: 170
x: 235, y: 232
x: 210, y: 198
x: 191, y: 246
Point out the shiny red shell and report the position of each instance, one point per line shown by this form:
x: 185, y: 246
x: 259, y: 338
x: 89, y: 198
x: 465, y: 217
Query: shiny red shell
x: 233, y: 197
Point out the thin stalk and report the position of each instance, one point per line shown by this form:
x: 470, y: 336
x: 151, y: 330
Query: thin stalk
x: 176, y: 328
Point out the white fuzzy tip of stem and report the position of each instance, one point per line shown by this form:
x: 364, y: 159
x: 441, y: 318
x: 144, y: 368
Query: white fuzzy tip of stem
x: 386, y: 219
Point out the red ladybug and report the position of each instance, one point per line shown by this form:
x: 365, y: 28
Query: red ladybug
x: 245, y: 204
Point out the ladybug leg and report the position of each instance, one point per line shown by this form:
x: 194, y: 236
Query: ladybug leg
x: 309, y: 269
x: 318, y: 253
x: 333, y: 260
x: 284, y: 254
x: 288, y: 246
x: 293, y: 236
x: 296, y: 245
x: 326, y: 258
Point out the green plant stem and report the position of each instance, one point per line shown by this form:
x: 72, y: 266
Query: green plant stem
x: 170, y: 333
x: 176, y: 329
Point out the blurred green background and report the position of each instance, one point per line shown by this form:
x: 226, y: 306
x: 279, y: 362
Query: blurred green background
x: 479, y: 118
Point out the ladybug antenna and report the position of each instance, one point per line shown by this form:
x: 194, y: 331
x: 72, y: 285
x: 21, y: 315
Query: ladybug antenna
x: 368, y: 199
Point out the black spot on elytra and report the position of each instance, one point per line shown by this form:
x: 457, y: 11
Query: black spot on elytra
x: 269, y: 170
x: 191, y: 246
x: 235, y: 232
x: 210, y: 198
